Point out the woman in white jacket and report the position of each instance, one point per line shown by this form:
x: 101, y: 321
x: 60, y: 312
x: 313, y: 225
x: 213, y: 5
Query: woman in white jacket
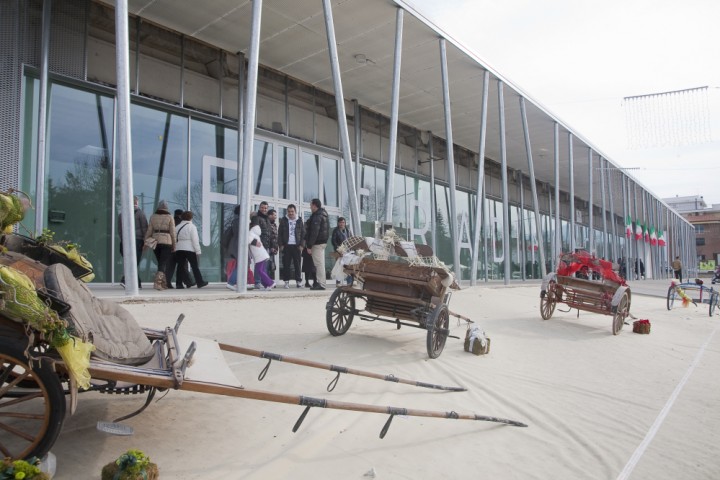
x: 259, y: 256
x: 187, y: 247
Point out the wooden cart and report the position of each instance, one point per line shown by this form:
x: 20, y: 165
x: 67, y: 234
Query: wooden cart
x: 606, y: 293
x: 397, y: 293
x: 35, y: 380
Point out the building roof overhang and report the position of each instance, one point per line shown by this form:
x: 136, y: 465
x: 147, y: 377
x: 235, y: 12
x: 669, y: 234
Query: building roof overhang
x: 293, y: 41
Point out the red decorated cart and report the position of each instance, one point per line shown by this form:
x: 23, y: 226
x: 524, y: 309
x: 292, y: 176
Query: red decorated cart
x: 586, y: 283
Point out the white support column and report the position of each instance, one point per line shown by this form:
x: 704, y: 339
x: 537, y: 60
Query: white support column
x: 248, y: 143
x: 433, y: 204
x: 591, y: 212
x: 533, y: 187
x: 342, y: 118
x: 606, y: 248
x: 504, y: 177
x: 479, y: 204
x: 392, y: 154
x: 558, y: 224
x: 571, y: 173
x: 124, y: 146
x: 454, y: 230
x: 42, y: 118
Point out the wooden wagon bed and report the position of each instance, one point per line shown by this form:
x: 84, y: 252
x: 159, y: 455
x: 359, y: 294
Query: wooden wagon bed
x: 606, y: 294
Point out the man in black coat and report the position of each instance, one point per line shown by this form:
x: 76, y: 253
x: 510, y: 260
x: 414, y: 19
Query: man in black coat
x: 316, y: 241
x: 291, y: 233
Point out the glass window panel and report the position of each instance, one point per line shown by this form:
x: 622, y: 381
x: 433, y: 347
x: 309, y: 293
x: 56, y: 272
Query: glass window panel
x: 159, y: 145
x: 262, y: 168
x: 421, y: 213
x: 311, y: 176
x: 288, y: 173
x: 443, y: 249
x: 464, y: 232
x: 368, y: 207
x: 330, y: 182
x: 78, y: 193
x: 209, y: 140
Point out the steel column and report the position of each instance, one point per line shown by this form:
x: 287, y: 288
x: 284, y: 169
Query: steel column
x: 342, y: 118
x: 606, y: 250
x: 42, y: 118
x: 506, y: 203
x: 433, y: 204
x: 392, y: 154
x: 480, y: 178
x: 450, y: 161
x: 572, y: 192
x: 533, y: 187
x: 248, y: 144
x: 124, y: 146
x: 613, y: 223
x: 558, y: 233
x: 591, y: 212
x: 358, y: 146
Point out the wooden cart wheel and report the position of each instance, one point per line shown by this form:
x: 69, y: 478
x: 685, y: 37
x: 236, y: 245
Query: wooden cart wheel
x: 31, y: 415
x: 671, y: 297
x: 548, y: 301
x: 340, y: 310
x: 439, y: 320
x: 621, y: 312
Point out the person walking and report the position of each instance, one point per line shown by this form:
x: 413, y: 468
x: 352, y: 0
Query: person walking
x: 308, y: 267
x: 290, y: 239
x: 259, y: 255
x: 141, y: 226
x: 187, y: 280
x: 187, y: 251
x: 272, y: 246
x: 317, y: 238
x: 339, y: 234
x: 230, y: 238
x: 161, y: 229
x: 260, y: 219
x: 677, y: 268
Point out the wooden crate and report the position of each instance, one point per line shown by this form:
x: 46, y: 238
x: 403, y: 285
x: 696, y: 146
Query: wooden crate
x: 398, y: 279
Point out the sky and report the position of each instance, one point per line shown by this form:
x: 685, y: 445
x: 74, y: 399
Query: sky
x: 579, y: 59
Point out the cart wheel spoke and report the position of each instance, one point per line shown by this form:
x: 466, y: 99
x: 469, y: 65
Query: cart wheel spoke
x: 340, y: 311
x: 437, y: 327
x: 548, y: 301
x: 622, y: 311
x: 32, y: 404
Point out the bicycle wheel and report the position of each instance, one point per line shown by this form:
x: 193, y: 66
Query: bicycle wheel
x: 671, y: 297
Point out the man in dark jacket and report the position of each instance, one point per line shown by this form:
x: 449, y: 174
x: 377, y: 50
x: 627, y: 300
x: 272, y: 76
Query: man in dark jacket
x: 290, y: 238
x: 317, y: 237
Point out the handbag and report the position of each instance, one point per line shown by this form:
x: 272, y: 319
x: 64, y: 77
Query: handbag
x: 151, y: 243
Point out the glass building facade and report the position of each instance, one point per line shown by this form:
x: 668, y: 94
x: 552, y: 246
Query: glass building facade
x: 184, y: 121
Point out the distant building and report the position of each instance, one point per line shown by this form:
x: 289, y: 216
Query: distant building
x: 706, y: 221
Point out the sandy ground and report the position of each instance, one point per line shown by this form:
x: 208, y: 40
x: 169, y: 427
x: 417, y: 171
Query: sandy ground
x: 598, y: 406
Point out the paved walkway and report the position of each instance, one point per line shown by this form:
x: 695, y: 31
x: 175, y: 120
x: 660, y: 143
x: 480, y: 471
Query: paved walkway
x: 656, y: 288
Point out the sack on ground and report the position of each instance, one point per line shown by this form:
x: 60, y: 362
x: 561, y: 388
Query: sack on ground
x: 475, y: 341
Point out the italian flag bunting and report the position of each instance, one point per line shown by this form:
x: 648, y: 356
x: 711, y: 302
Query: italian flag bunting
x: 646, y: 234
x: 653, y: 236
x: 638, y: 231
x: 628, y: 227
x: 661, y: 239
